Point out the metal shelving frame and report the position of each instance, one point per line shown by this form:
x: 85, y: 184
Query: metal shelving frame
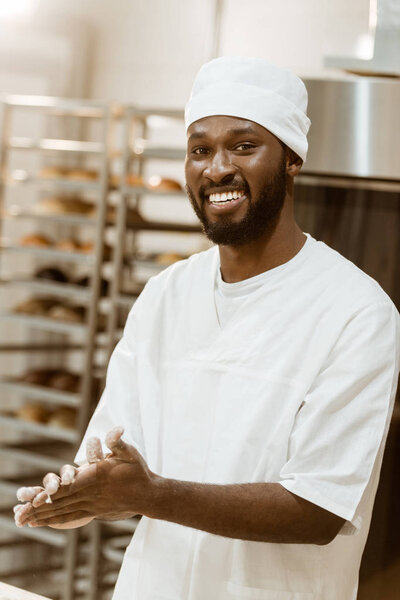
x: 107, y: 551
x: 66, y: 541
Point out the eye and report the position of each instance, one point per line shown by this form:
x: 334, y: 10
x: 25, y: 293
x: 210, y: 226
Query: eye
x: 199, y: 150
x: 244, y: 146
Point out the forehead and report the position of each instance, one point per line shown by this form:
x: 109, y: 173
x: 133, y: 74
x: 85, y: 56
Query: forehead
x: 221, y: 126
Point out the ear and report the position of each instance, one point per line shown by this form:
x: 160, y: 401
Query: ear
x: 293, y: 163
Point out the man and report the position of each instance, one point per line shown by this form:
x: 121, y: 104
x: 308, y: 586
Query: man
x: 255, y: 381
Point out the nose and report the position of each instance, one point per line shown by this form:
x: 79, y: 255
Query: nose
x: 220, y: 168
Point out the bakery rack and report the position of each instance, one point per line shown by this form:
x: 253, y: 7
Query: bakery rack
x: 141, y: 156
x: 93, y: 554
x: 39, y: 447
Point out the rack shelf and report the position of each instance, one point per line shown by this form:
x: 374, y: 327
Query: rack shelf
x: 65, y: 290
x: 44, y: 323
x: 47, y: 431
x: 40, y: 392
x: 58, y: 255
x: 54, y: 145
x: 30, y: 457
x: 41, y: 534
x: 67, y: 219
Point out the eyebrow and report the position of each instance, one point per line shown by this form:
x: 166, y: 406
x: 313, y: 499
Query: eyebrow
x: 238, y: 131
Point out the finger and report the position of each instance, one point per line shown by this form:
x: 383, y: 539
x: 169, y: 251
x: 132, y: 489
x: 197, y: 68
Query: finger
x: 67, y: 474
x: 40, y: 499
x: 59, y: 520
x: 55, y: 510
x: 114, y: 441
x: 51, y: 483
x: 26, y: 494
x: 94, y: 450
x: 22, y: 514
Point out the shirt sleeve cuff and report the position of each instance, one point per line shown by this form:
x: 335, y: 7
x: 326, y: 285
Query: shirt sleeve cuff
x: 299, y: 488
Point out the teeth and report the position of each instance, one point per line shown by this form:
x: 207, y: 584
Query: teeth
x: 224, y: 197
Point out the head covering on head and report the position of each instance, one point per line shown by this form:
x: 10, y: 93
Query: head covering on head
x: 253, y: 89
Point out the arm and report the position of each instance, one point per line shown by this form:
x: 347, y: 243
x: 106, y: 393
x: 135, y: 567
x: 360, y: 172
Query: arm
x: 262, y: 512
x: 122, y: 485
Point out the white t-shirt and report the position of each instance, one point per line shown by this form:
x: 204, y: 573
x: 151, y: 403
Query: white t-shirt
x: 297, y: 387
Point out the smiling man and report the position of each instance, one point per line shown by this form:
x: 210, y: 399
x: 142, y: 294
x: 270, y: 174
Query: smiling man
x: 255, y: 381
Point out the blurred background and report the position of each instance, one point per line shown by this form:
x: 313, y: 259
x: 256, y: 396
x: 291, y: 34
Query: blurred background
x: 92, y: 204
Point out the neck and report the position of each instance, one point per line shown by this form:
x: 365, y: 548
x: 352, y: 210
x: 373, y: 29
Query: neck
x: 273, y: 249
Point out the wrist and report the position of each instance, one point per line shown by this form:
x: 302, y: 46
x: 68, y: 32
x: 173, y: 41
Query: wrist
x: 157, y: 497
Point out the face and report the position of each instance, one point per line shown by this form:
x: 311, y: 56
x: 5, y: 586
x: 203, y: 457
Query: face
x: 236, y: 178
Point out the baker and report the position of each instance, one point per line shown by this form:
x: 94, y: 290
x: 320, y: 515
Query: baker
x: 254, y: 381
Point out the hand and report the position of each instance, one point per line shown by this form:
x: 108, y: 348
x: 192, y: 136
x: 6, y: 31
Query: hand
x: 115, y: 487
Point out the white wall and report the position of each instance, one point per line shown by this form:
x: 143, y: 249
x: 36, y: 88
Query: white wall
x: 148, y: 51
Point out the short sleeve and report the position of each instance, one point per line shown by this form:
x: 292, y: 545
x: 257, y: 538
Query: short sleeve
x: 343, y: 423
x: 119, y: 404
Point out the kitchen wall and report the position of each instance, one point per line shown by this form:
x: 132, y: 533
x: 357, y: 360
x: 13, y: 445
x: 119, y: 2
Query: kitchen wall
x: 147, y: 51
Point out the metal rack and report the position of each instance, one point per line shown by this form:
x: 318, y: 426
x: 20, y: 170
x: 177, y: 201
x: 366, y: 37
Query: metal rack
x: 42, y: 447
x: 111, y: 538
x: 97, y: 548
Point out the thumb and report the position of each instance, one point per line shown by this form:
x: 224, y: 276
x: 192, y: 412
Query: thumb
x: 118, y: 447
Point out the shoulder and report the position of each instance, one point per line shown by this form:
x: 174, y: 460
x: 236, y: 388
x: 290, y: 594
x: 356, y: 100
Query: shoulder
x: 176, y: 280
x: 344, y: 283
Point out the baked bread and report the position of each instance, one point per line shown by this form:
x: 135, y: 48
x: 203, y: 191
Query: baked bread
x: 34, y: 412
x: 83, y: 174
x: 135, y: 180
x: 63, y: 417
x: 35, y: 306
x: 36, y: 240
x: 39, y: 376
x: 71, y: 314
x: 168, y: 258
x: 52, y: 274
x: 53, y: 172
x: 65, y: 381
x: 62, y: 206
x: 85, y: 282
x: 68, y: 246
x: 163, y: 184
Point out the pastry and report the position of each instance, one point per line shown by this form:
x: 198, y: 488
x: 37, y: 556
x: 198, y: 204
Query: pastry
x: 85, y: 282
x: 36, y: 240
x: 35, y: 306
x: 134, y: 180
x: 88, y: 247
x: 68, y: 246
x: 52, y: 274
x: 168, y: 258
x: 52, y: 172
x: 33, y: 412
x: 39, y: 376
x: 82, y: 174
x: 163, y: 184
x: 72, y: 314
x: 65, y: 381
x: 60, y: 206
x: 64, y: 417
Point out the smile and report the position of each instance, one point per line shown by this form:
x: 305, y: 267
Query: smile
x: 225, y: 197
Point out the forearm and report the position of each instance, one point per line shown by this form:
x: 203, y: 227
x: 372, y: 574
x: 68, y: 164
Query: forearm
x: 264, y: 512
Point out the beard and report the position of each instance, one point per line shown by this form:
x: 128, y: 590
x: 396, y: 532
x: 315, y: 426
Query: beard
x: 260, y: 219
